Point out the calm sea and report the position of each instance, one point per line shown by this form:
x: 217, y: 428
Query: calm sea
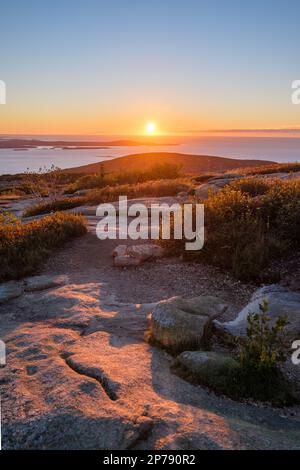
x: 279, y: 149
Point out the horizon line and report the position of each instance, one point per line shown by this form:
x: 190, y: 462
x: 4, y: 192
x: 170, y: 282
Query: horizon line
x: 284, y: 130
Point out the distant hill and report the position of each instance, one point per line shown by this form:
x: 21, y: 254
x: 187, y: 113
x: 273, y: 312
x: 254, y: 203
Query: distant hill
x: 188, y: 163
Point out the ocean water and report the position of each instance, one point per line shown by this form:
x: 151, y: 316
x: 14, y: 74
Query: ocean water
x: 278, y: 149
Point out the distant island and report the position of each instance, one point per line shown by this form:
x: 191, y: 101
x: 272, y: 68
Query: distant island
x: 72, y: 145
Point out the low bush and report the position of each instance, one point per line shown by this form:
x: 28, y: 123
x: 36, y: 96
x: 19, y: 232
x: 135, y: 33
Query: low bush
x: 244, y: 233
x: 269, y: 169
x: 252, y: 186
x: 45, y: 207
x: 260, y: 354
x: 111, y: 193
x: 100, y: 180
x: 148, y: 189
x: 24, y: 247
x: 256, y: 373
x: 280, y: 207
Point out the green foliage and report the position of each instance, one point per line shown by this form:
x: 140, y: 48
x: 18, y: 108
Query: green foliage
x: 23, y: 247
x: 256, y: 373
x: 260, y: 355
x: 281, y: 208
x: 264, y: 346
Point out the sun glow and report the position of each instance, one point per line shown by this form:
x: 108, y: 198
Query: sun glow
x: 150, y: 127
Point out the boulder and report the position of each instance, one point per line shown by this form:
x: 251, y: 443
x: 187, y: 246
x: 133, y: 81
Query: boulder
x: 185, y: 323
x: 120, y: 250
x: 124, y: 261
x: 10, y: 290
x: 36, y: 283
x: 144, y: 252
x: 281, y: 301
x: 135, y: 254
x: 208, y: 367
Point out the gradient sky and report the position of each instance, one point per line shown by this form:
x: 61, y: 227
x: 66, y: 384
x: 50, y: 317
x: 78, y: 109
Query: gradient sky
x: 92, y: 66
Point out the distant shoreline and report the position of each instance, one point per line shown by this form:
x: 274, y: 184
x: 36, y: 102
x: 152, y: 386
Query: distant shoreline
x: 44, y: 156
x: 24, y: 144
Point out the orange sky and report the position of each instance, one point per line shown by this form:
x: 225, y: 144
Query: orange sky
x: 109, y: 69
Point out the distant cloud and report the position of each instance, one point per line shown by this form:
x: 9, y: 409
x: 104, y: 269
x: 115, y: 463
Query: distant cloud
x: 285, y: 130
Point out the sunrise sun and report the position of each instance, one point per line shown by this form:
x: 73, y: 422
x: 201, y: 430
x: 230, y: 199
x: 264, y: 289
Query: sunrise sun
x: 150, y: 127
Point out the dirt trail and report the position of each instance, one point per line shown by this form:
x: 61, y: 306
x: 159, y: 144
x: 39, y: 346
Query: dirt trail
x: 80, y: 375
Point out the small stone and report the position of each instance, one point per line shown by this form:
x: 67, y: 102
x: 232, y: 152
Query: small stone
x: 10, y: 290
x: 31, y: 370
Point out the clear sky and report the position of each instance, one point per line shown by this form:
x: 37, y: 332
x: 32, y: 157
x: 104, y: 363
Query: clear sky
x: 93, y: 66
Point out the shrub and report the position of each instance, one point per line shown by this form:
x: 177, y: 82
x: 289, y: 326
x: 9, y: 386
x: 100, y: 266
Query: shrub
x: 45, y: 207
x: 157, y: 172
x: 281, y: 208
x: 269, y: 169
x: 256, y: 373
x: 260, y: 354
x: 146, y: 189
x: 111, y: 193
x: 45, y: 182
x: 244, y: 233
x: 264, y: 346
x: 23, y: 247
x: 252, y: 186
x: 48, y: 182
x: 86, y: 182
x: 7, y: 218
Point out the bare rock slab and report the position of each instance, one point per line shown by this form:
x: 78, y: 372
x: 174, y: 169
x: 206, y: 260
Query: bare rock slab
x: 214, y: 186
x: 280, y: 302
x: 10, y: 290
x: 184, y: 323
x: 36, y: 283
